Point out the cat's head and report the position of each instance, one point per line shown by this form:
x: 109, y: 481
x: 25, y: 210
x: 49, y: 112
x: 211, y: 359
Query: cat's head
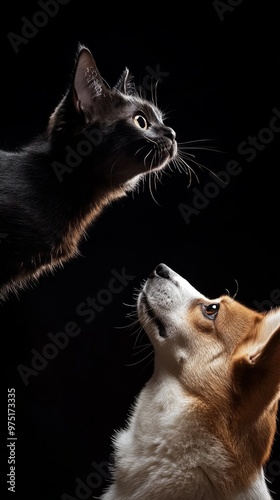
x: 112, y: 130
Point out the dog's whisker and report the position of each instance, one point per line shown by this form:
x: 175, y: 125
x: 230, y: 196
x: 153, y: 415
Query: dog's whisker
x: 129, y: 305
x: 141, y: 349
x: 127, y: 327
x: 141, y: 360
x: 235, y: 293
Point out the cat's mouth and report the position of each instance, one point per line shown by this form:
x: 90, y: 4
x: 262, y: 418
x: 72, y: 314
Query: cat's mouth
x: 173, y: 150
x: 162, y: 152
x: 167, y: 152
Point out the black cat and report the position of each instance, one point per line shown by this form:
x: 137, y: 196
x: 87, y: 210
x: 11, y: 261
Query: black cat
x: 98, y: 143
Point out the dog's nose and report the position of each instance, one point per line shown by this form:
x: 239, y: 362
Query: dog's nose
x: 162, y: 271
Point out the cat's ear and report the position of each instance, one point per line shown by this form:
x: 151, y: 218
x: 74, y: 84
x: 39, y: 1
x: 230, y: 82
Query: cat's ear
x: 88, y: 85
x: 125, y: 83
x: 86, y: 90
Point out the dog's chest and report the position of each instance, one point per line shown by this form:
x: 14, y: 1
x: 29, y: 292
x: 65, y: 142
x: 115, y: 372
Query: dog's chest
x: 168, y: 451
x: 163, y: 449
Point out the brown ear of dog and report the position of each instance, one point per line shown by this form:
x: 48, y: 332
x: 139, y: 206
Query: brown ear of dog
x: 256, y: 383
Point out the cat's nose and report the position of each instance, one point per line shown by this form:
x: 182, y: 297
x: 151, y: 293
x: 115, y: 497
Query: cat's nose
x: 170, y: 133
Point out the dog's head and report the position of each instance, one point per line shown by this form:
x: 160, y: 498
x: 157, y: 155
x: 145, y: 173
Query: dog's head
x: 223, y: 353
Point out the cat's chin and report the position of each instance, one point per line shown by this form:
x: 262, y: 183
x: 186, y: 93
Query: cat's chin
x: 132, y: 183
x: 170, y: 154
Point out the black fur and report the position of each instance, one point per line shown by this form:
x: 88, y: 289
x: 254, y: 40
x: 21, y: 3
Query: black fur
x: 92, y: 152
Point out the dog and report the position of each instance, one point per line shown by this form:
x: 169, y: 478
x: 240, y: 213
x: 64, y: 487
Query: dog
x: 203, y: 426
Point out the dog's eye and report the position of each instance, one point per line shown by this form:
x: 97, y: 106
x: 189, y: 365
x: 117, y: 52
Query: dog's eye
x: 210, y: 311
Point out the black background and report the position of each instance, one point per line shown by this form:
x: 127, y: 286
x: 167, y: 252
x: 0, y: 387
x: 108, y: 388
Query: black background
x: 220, y: 83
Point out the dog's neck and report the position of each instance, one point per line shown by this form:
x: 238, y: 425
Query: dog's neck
x: 167, y: 437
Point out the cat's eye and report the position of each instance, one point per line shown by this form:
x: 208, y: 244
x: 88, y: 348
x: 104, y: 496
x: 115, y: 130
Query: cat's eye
x: 140, y: 121
x: 210, y: 311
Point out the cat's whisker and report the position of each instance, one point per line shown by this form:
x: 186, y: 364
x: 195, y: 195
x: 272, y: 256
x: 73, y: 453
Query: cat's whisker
x: 191, y: 158
x: 151, y: 140
x: 185, y: 157
x: 145, y: 159
x: 195, y: 141
x: 188, y: 155
x: 153, y: 175
x: 167, y: 112
x: 201, y: 148
x: 200, y: 165
x: 158, y: 176
x: 156, y: 93
x: 179, y: 162
x: 184, y: 154
x: 150, y: 188
x: 140, y: 149
x: 111, y: 170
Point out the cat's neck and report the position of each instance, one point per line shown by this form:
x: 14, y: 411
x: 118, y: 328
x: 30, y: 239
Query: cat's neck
x: 44, y: 219
x: 55, y: 174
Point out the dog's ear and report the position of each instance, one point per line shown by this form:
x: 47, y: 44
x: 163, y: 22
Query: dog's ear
x: 256, y: 368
